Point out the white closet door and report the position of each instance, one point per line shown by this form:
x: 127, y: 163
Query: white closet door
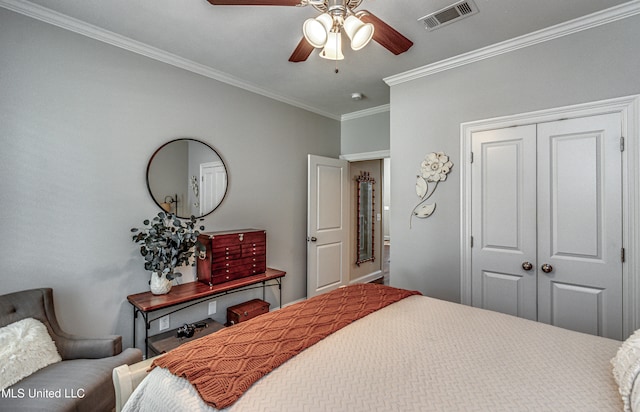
x: 504, y: 220
x: 580, y: 224
x: 550, y: 195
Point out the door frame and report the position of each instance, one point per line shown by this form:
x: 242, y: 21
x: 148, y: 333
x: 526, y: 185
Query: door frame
x: 360, y: 157
x: 629, y: 109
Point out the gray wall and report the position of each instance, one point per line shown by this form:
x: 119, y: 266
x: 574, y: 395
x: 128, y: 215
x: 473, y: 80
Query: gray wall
x: 79, y: 120
x: 426, y: 113
x: 365, y: 134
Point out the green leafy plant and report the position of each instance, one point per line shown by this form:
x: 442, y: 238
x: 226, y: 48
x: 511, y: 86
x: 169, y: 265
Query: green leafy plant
x: 167, y: 242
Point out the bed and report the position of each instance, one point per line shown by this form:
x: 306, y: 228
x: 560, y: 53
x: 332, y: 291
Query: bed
x: 414, y: 354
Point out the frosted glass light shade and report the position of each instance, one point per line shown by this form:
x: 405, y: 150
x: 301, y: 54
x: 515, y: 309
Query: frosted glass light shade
x: 316, y: 30
x: 360, y: 33
x: 333, y: 49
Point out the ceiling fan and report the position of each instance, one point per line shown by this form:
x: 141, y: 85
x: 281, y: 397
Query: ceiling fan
x: 325, y: 30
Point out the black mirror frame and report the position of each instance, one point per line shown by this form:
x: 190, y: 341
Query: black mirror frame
x: 224, y: 164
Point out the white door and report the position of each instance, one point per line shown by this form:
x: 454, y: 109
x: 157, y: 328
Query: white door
x: 213, y: 178
x: 327, y: 224
x: 503, y: 196
x: 580, y: 224
x: 547, y: 225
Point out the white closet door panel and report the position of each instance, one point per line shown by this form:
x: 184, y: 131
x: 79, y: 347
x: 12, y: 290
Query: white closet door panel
x: 503, y: 292
x: 501, y: 200
x: 569, y: 300
x: 580, y: 224
x: 576, y: 184
x: 503, y: 220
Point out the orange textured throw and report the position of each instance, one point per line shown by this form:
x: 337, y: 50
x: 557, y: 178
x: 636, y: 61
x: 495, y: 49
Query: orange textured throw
x: 223, y: 365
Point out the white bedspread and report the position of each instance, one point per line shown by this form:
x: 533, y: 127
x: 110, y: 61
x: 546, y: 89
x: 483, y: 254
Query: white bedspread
x: 423, y: 354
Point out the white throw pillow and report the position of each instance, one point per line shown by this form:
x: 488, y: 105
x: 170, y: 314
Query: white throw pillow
x: 626, y: 366
x: 25, y: 347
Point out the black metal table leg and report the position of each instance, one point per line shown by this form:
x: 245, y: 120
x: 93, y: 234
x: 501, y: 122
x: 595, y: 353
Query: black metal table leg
x: 135, y: 316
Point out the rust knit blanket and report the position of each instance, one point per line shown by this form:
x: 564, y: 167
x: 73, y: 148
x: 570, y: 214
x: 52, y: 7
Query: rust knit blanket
x: 223, y: 365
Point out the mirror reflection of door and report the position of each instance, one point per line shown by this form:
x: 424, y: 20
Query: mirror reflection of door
x: 213, y: 178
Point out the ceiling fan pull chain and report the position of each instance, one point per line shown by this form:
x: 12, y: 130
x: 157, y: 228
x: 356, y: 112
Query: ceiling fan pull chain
x: 337, y: 45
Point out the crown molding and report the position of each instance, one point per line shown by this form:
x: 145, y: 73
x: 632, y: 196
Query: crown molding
x: 46, y: 15
x: 610, y: 15
x: 366, y: 112
x: 356, y: 157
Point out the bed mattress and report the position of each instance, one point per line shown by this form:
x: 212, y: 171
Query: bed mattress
x: 423, y: 354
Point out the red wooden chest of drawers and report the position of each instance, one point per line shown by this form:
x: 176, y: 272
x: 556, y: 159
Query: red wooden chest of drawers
x: 232, y: 255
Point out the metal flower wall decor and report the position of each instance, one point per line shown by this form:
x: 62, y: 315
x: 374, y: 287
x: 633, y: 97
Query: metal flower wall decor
x: 434, y: 169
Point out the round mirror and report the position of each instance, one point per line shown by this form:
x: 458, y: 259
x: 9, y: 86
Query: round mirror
x: 187, y: 177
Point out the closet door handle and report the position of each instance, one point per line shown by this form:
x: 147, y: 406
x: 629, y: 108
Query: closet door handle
x: 546, y: 268
x: 527, y: 265
x: 313, y: 238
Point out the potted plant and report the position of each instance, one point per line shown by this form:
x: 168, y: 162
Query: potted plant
x: 166, y: 243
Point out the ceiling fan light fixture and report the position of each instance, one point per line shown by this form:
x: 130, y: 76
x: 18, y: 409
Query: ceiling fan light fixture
x: 359, y: 33
x: 333, y: 49
x: 316, y: 30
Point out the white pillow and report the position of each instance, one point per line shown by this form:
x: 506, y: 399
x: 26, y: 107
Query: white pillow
x: 626, y: 366
x: 25, y: 347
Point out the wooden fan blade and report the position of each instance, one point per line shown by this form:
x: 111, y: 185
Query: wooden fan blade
x: 302, y: 51
x: 387, y: 36
x: 255, y: 2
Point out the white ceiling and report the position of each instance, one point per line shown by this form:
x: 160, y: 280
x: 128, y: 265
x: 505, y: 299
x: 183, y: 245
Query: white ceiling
x: 250, y: 45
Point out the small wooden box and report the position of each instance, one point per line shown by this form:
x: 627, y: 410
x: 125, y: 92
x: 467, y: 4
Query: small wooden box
x: 247, y: 310
x: 232, y: 255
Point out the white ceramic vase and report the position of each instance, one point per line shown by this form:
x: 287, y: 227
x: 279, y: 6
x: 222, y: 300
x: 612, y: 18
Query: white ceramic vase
x: 159, y: 285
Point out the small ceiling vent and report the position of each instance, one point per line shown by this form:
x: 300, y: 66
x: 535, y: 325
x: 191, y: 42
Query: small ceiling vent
x: 449, y: 14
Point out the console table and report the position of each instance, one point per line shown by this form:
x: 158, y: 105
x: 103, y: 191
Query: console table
x: 193, y: 293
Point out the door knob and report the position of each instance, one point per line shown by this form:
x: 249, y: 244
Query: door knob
x: 546, y: 268
x: 527, y: 265
x: 313, y: 238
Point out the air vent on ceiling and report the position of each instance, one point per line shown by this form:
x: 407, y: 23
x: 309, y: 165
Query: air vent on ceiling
x: 449, y: 14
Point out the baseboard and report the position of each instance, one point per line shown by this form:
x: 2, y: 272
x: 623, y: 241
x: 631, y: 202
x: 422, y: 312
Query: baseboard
x: 368, y: 278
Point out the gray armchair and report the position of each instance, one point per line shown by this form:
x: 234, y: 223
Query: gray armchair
x: 83, y: 378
